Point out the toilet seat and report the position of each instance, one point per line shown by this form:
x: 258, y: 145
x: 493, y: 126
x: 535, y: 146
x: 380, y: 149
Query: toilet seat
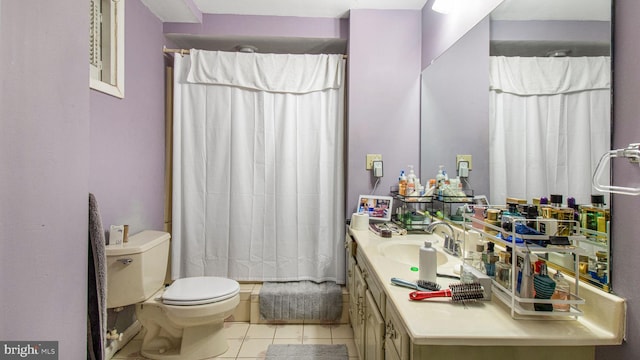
x: 200, y: 290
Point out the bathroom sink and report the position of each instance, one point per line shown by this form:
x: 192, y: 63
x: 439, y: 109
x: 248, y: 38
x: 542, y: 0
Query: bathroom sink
x: 406, y: 252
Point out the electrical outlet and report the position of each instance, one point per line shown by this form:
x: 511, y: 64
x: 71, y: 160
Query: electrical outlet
x: 466, y: 158
x: 371, y: 158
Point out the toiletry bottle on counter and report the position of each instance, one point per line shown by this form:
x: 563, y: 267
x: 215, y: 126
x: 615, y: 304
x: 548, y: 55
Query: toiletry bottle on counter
x: 524, y: 283
x: 476, y: 259
x: 402, y: 184
x: 489, y: 260
x: 544, y: 286
x: 411, y: 182
x: 561, y: 292
x: 503, y: 269
x: 428, y: 262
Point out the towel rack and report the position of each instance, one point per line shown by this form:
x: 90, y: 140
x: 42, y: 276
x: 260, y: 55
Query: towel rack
x: 631, y: 152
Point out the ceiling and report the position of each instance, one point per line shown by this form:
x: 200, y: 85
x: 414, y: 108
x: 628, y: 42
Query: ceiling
x: 191, y: 11
x: 188, y: 10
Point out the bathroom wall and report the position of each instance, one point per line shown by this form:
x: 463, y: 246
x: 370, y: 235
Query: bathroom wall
x: 262, y: 26
x: 626, y: 129
x: 459, y: 76
x: 441, y: 31
x: 384, y: 97
x: 127, y: 135
x: 590, y: 31
x: 44, y: 172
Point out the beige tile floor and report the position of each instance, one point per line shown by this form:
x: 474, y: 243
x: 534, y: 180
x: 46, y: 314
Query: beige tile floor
x: 250, y: 341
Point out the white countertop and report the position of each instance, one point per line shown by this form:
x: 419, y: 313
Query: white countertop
x: 485, y: 323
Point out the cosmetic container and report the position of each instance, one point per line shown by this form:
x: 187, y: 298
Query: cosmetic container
x: 544, y: 286
x: 561, y: 292
x: 476, y: 258
x: 503, y: 269
x: 489, y: 259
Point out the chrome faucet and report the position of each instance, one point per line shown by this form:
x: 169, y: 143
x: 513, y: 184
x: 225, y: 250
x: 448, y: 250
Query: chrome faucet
x: 451, y: 243
x: 432, y: 226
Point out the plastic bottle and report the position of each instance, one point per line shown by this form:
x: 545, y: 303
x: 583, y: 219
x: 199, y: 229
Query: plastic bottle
x: 440, y: 176
x: 411, y: 182
x: 489, y: 260
x: 411, y: 187
x: 430, y: 191
x: 428, y: 262
x: 476, y: 258
x: 402, y: 184
x: 561, y: 292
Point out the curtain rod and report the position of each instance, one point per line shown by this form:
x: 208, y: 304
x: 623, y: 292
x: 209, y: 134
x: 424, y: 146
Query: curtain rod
x: 186, y: 51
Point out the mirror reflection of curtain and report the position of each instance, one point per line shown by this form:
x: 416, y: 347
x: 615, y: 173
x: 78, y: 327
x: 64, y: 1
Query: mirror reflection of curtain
x: 549, y: 125
x: 258, y: 186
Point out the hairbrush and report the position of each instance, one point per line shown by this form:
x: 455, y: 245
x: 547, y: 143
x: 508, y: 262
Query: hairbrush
x: 458, y: 292
x: 429, y: 285
x: 418, y: 285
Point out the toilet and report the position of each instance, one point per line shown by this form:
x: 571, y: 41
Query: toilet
x: 182, y: 321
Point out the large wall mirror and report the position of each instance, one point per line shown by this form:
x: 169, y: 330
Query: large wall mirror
x: 461, y: 116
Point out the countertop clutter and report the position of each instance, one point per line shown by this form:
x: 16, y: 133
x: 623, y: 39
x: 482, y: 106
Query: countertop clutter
x: 440, y: 322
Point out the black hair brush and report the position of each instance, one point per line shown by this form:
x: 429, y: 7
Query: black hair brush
x: 458, y: 292
x: 421, y: 285
x: 429, y: 285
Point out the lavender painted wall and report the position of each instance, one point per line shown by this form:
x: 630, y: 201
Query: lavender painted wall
x: 626, y: 129
x: 267, y: 26
x: 455, y: 109
x: 441, y: 31
x: 44, y: 172
x: 384, y: 97
x: 127, y: 135
x: 591, y: 31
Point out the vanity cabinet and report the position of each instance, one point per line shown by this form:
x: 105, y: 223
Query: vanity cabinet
x: 366, y: 299
x: 358, y: 313
x: 374, y: 330
x: 396, y: 337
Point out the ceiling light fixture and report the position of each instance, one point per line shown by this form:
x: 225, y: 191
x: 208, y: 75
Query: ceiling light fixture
x: 442, y: 6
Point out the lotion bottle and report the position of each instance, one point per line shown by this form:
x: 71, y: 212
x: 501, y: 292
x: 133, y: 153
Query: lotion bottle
x: 402, y: 184
x: 428, y: 262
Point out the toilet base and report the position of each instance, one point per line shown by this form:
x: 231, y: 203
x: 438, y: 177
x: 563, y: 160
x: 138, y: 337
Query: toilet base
x: 184, y: 332
x: 197, y: 342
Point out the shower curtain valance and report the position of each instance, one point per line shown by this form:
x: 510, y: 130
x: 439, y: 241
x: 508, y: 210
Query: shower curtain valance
x: 266, y: 72
x: 548, y: 76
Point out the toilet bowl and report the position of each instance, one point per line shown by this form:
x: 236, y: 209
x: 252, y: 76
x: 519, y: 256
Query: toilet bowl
x: 182, y: 321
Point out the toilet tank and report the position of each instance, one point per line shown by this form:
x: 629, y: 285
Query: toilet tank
x: 136, y: 269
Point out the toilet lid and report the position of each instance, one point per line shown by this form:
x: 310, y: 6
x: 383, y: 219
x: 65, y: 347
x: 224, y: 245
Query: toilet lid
x: 200, y: 290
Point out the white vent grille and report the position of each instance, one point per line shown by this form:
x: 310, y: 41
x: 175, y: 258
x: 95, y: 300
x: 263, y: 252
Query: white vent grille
x: 95, y: 36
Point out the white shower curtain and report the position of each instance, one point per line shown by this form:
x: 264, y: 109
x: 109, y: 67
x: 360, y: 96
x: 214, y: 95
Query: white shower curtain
x: 549, y: 125
x: 258, y: 164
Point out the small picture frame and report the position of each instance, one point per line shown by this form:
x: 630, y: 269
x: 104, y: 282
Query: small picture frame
x: 378, y: 208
